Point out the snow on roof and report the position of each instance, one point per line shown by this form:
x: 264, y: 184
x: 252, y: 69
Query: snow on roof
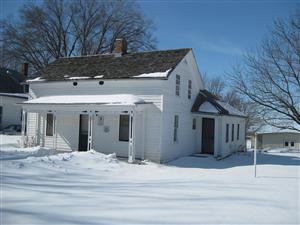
x: 267, y: 129
x: 16, y: 95
x: 99, y: 76
x: 35, y: 79
x: 231, y: 110
x: 156, y: 74
x: 119, y: 99
x: 208, y: 107
x: 78, y: 78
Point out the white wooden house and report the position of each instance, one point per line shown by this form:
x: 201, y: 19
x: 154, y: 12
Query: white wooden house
x: 11, y: 95
x: 146, y: 105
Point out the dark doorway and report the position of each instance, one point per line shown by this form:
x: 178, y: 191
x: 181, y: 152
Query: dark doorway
x: 208, y: 135
x: 83, y: 132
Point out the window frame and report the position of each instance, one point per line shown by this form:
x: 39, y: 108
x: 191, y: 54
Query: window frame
x: 227, y: 133
x: 177, y: 85
x: 189, y: 89
x: 286, y: 142
x: 49, y: 129
x: 1, y: 114
x: 291, y: 143
x: 120, y: 124
x: 194, y: 124
x: 232, y: 132
x: 176, y: 126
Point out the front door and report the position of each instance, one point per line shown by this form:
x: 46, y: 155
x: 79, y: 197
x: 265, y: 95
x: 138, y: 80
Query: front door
x: 208, y: 135
x: 83, y: 132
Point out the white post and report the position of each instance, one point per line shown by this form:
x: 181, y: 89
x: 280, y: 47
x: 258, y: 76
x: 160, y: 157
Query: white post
x: 90, y: 132
x: 255, y: 151
x: 131, y: 152
x: 54, y: 130
x: 143, y: 121
x: 23, y: 128
x: 37, y: 116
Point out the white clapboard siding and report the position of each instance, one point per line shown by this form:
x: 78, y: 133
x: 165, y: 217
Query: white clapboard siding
x: 67, y: 132
x: 235, y: 145
x: 149, y: 90
x: 31, y: 124
x: 11, y: 110
x: 180, y: 105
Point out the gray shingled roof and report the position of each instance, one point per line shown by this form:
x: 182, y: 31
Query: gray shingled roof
x: 113, y: 67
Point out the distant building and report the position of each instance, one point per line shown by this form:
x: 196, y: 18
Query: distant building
x: 272, y: 137
x: 12, y: 93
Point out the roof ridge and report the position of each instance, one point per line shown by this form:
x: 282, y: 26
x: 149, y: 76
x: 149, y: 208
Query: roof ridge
x: 129, y: 53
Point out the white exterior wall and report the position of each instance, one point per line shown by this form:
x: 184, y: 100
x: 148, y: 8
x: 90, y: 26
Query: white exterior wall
x: 232, y: 146
x: 181, y: 106
x: 276, y: 140
x: 11, y: 112
x: 67, y: 135
x: 217, y: 132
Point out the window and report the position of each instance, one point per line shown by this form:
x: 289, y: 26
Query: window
x: 286, y: 143
x: 292, y: 144
x: 227, y: 133
x: 194, y: 123
x: 124, y: 128
x: 238, y: 132
x: 177, y: 90
x: 49, y: 125
x: 232, y: 132
x: 189, y: 89
x: 1, y: 114
x: 175, y: 138
x: 26, y: 88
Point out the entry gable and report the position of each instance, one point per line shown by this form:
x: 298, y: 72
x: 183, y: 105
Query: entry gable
x: 207, y: 102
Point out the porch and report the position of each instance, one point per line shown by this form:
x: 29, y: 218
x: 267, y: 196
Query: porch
x: 108, y: 126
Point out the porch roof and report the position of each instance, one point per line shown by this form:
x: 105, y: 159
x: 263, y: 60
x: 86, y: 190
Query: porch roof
x: 117, y: 99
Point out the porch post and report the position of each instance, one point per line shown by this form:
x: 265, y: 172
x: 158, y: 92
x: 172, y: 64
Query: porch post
x: 90, y: 132
x: 131, y: 149
x: 23, y: 128
x: 37, y: 129
x: 54, y: 130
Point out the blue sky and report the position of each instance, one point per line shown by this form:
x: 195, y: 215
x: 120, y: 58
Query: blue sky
x: 218, y: 31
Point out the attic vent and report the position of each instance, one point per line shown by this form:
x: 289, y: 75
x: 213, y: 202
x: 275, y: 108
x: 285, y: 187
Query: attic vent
x: 75, y: 83
x: 101, y: 82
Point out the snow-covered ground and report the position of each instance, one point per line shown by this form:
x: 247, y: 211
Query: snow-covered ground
x: 39, y: 186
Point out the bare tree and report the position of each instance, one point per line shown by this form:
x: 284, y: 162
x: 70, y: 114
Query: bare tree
x: 216, y: 85
x: 271, y: 76
x: 58, y: 28
x: 226, y: 93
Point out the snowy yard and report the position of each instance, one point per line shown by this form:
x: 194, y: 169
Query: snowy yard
x: 41, y: 187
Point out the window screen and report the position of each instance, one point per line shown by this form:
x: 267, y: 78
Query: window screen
x: 175, y: 137
x: 177, y: 90
x: 227, y: 133
x: 232, y: 132
x: 1, y: 114
x: 194, y: 123
x: 124, y: 128
x: 189, y: 89
x: 49, y: 126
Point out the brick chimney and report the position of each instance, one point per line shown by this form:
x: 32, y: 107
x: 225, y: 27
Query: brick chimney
x: 120, y: 46
x: 24, y: 69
